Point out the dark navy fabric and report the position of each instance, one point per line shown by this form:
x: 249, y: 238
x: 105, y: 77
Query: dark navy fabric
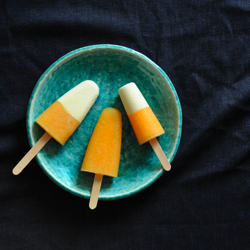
x: 204, y: 201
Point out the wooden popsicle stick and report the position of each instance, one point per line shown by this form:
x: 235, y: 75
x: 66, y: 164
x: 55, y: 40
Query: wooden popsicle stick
x: 31, y: 154
x: 95, y: 191
x: 160, y: 154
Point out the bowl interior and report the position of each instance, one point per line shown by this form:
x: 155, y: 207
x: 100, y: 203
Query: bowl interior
x: 110, y: 67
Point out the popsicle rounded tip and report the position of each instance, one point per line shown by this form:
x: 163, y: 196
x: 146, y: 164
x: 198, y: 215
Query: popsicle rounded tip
x: 167, y: 167
x: 131, y: 85
x: 92, y: 206
x: 92, y: 83
x: 15, y: 171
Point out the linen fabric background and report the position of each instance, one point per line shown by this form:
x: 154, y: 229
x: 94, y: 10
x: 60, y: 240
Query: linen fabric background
x: 204, y: 201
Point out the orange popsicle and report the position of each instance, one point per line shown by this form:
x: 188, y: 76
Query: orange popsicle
x: 62, y: 118
x: 103, y: 152
x: 144, y: 122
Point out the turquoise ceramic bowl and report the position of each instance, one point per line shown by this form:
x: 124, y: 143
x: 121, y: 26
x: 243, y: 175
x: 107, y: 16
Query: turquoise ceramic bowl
x: 111, y: 67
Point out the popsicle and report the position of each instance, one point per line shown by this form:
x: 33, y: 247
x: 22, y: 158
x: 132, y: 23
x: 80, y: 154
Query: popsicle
x: 62, y: 118
x: 144, y: 122
x: 102, y: 156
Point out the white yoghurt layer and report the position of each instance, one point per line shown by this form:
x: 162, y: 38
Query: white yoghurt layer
x: 132, y: 98
x: 78, y: 101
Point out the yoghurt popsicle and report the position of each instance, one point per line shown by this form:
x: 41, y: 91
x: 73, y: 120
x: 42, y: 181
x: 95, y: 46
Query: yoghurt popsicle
x: 144, y: 122
x: 102, y: 156
x: 62, y: 118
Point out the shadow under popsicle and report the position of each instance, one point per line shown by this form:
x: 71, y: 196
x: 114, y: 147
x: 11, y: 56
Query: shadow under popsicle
x: 85, y: 180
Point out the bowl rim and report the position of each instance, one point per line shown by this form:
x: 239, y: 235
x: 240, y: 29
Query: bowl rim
x: 74, y: 53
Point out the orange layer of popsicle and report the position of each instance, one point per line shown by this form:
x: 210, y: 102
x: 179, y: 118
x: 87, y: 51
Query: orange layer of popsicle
x: 145, y: 124
x: 57, y: 122
x: 103, y: 152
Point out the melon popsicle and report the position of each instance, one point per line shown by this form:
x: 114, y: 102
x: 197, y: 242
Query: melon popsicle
x: 62, y: 118
x: 102, y: 156
x: 144, y: 122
